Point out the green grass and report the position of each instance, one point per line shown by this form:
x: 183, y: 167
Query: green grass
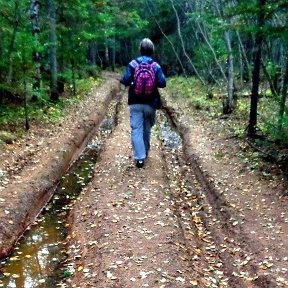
x: 192, y: 91
x: 209, y: 105
x: 12, y: 117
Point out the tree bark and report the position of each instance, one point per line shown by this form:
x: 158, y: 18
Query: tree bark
x: 12, y: 42
x: 183, y: 45
x: 256, y: 71
x: 213, y: 52
x: 167, y: 38
x: 244, y: 55
x: 113, y: 53
x: 228, y: 104
x: 73, y: 77
x: 52, y: 51
x: 282, y: 104
x: 34, y: 13
x: 92, y: 53
x: 208, y: 70
x: 107, y: 59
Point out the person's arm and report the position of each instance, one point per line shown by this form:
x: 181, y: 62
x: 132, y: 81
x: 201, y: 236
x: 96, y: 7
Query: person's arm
x: 127, y: 77
x: 160, y: 78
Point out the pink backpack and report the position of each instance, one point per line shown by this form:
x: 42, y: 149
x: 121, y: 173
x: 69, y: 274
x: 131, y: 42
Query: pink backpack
x: 144, y: 78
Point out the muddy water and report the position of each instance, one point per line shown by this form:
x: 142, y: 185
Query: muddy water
x: 170, y: 138
x: 39, y: 257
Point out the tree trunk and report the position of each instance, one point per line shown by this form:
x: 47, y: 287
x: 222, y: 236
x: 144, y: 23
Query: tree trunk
x: 212, y: 50
x: 183, y: 45
x: 282, y: 104
x: 256, y: 71
x: 52, y: 52
x: 270, y: 81
x: 24, y: 77
x: 73, y: 77
x: 244, y: 56
x: 107, y: 60
x: 12, y: 42
x: 208, y: 70
x: 228, y: 104
x: 92, y: 53
x: 34, y: 12
x: 113, y: 53
x: 148, y: 5
x: 241, y: 63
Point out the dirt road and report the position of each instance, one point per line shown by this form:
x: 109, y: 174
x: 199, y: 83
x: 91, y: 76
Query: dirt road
x: 124, y: 219
x: 187, y: 219
x: 169, y: 224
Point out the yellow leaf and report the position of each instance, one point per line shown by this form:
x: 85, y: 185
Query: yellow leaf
x: 206, y: 240
x: 15, y: 276
x: 194, y: 282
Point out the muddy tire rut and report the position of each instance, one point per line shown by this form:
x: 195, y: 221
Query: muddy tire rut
x: 146, y: 227
x: 166, y: 225
x: 123, y: 223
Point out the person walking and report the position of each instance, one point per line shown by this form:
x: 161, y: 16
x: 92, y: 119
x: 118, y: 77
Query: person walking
x: 143, y: 76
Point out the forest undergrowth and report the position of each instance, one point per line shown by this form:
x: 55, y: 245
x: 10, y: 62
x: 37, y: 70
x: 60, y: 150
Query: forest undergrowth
x: 267, y: 152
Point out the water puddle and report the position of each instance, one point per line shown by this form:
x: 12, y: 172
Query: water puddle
x: 171, y: 139
x: 38, y: 259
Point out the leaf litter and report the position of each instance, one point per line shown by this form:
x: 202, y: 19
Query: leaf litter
x: 150, y: 233
x: 195, y: 219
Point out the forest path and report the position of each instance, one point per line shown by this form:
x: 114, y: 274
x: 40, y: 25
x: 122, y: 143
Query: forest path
x: 170, y: 224
x: 194, y: 216
x: 124, y: 222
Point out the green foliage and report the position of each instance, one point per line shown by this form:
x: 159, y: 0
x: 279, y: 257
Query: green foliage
x: 67, y: 274
x: 277, y: 129
x: 7, y: 137
x: 192, y: 91
x: 12, y: 118
x: 89, y: 31
x: 84, y: 86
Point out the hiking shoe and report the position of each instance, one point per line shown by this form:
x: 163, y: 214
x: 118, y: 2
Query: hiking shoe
x: 139, y: 163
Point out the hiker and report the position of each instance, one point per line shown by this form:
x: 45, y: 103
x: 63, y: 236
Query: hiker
x: 143, y: 76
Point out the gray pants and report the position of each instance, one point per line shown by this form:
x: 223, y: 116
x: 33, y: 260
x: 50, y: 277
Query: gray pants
x: 142, y: 118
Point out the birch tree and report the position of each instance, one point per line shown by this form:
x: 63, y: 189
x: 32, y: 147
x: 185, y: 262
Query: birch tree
x: 166, y: 37
x: 183, y: 45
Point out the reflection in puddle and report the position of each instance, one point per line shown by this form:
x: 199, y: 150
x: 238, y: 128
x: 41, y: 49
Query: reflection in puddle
x: 39, y: 257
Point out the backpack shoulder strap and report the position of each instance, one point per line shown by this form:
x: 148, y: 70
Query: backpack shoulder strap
x: 134, y: 63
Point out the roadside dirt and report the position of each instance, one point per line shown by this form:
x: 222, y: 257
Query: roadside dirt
x: 189, y: 218
x: 31, y: 167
